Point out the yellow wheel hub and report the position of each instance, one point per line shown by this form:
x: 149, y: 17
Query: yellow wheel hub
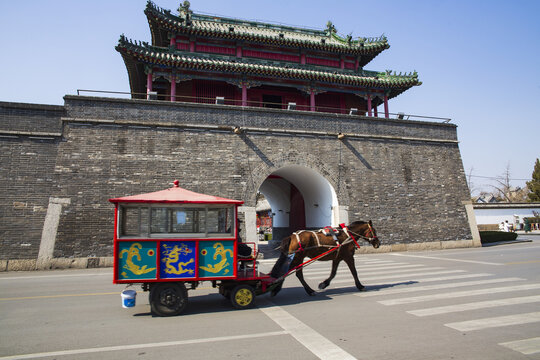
x: 243, y: 297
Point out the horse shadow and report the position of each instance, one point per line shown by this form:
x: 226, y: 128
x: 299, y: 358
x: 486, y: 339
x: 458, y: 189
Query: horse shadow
x: 215, y: 303
x: 296, y: 295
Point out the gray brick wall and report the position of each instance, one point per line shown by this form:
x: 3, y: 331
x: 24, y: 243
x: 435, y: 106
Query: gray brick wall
x: 411, y: 189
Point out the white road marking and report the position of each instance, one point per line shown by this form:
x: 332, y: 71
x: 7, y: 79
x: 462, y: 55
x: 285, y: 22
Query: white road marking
x: 526, y: 346
x: 385, y: 270
x: 312, y: 340
x: 410, y: 276
x: 457, y: 294
x: 56, y: 276
x: 438, y: 286
x: 493, y: 322
x: 475, y: 305
x: 447, y: 259
x: 427, y: 279
x: 142, y: 346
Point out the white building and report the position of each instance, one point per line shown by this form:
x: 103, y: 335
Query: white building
x: 495, y: 213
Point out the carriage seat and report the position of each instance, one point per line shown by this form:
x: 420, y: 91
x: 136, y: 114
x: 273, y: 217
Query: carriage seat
x: 246, y: 254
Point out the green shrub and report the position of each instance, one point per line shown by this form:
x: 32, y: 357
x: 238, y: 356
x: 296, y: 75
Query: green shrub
x: 494, y: 236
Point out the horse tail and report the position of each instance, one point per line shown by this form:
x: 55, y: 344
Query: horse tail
x: 285, y: 244
x: 278, y: 268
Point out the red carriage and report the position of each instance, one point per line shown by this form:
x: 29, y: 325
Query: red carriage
x: 171, y: 240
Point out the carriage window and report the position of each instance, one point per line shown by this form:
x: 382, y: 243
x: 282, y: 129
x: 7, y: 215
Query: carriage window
x: 187, y: 220
x: 166, y: 221
x: 134, y: 221
x: 219, y: 221
x: 130, y: 222
x: 159, y: 221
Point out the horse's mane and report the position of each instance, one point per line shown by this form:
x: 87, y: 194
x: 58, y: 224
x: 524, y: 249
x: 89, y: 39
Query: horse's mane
x: 359, y: 222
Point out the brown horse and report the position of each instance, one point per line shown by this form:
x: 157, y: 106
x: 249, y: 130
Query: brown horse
x: 311, y: 244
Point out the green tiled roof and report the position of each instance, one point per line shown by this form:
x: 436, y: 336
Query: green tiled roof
x: 227, y: 28
x: 142, y: 52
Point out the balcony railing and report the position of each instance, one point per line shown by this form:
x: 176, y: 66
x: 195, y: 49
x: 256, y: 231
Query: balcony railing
x: 259, y: 104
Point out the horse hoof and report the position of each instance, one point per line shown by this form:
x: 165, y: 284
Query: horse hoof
x: 361, y: 288
x: 312, y: 293
x: 322, y: 286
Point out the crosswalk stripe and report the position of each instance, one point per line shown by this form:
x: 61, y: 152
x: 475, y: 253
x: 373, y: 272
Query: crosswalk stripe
x: 498, y: 321
x: 447, y: 259
x: 525, y: 346
x: 409, y: 276
x: 439, y: 286
x: 345, y: 270
x: 400, y: 272
x: 457, y: 294
x: 451, y: 277
x: 475, y: 305
x: 417, y: 277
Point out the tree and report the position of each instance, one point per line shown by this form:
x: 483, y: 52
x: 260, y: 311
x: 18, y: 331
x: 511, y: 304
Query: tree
x: 506, y: 192
x: 534, y: 184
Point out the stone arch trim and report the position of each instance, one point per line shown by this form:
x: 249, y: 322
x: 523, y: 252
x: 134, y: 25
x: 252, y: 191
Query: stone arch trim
x: 263, y: 170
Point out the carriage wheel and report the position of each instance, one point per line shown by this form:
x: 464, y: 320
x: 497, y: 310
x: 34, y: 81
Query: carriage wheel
x: 168, y: 299
x: 243, y: 297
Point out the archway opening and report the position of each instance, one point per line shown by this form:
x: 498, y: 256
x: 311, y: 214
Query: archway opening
x: 298, y: 198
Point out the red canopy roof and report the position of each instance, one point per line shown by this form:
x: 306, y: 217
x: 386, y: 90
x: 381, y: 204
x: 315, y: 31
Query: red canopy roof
x: 175, y: 195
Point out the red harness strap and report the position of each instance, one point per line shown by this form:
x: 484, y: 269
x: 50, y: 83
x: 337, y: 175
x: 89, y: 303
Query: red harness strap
x: 344, y: 227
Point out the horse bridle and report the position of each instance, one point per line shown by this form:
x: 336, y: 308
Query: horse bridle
x: 368, y: 239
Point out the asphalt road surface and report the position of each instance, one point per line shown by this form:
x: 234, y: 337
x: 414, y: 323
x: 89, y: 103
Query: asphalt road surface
x: 479, y: 303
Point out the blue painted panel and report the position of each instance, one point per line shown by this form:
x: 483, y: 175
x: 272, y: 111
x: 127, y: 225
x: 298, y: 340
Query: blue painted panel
x: 137, y: 260
x: 216, y: 258
x: 177, y: 259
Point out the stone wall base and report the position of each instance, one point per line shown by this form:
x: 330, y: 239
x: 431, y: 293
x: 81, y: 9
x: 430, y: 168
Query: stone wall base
x: 57, y: 263
x: 432, y: 245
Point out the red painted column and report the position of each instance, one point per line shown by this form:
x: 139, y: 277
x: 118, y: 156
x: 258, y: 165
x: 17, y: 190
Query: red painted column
x: 148, y: 82
x: 238, y: 51
x: 312, y: 101
x: 342, y: 63
x: 244, y: 94
x: 173, y: 87
x: 375, y: 112
x: 173, y: 41
x: 303, y: 59
x: 386, y: 113
x: 192, y: 45
x: 369, y: 109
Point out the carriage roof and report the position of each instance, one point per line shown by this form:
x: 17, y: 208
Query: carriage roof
x: 175, y: 194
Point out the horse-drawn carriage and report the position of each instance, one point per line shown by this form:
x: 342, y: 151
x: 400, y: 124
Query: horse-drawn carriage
x: 168, y: 239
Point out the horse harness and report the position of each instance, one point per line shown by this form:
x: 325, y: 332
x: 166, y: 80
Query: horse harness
x: 334, y: 232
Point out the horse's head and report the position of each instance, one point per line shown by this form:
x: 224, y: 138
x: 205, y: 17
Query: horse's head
x: 366, y: 231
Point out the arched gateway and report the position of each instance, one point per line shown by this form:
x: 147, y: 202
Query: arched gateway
x: 300, y: 198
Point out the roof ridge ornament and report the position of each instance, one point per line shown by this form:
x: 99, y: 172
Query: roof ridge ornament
x: 185, y: 12
x: 330, y: 28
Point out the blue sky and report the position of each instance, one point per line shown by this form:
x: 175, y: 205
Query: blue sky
x: 478, y: 60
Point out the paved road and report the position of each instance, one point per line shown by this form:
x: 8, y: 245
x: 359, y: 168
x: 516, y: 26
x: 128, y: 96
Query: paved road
x: 454, y: 304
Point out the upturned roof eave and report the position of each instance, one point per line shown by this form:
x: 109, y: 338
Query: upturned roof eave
x: 160, y: 19
x: 189, y: 61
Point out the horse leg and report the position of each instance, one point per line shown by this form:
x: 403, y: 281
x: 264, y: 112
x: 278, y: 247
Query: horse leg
x: 350, y: 262
x: 326, y: 282
x: 300, y: 276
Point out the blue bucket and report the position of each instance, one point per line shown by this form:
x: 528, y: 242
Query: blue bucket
x: 128, y: 298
